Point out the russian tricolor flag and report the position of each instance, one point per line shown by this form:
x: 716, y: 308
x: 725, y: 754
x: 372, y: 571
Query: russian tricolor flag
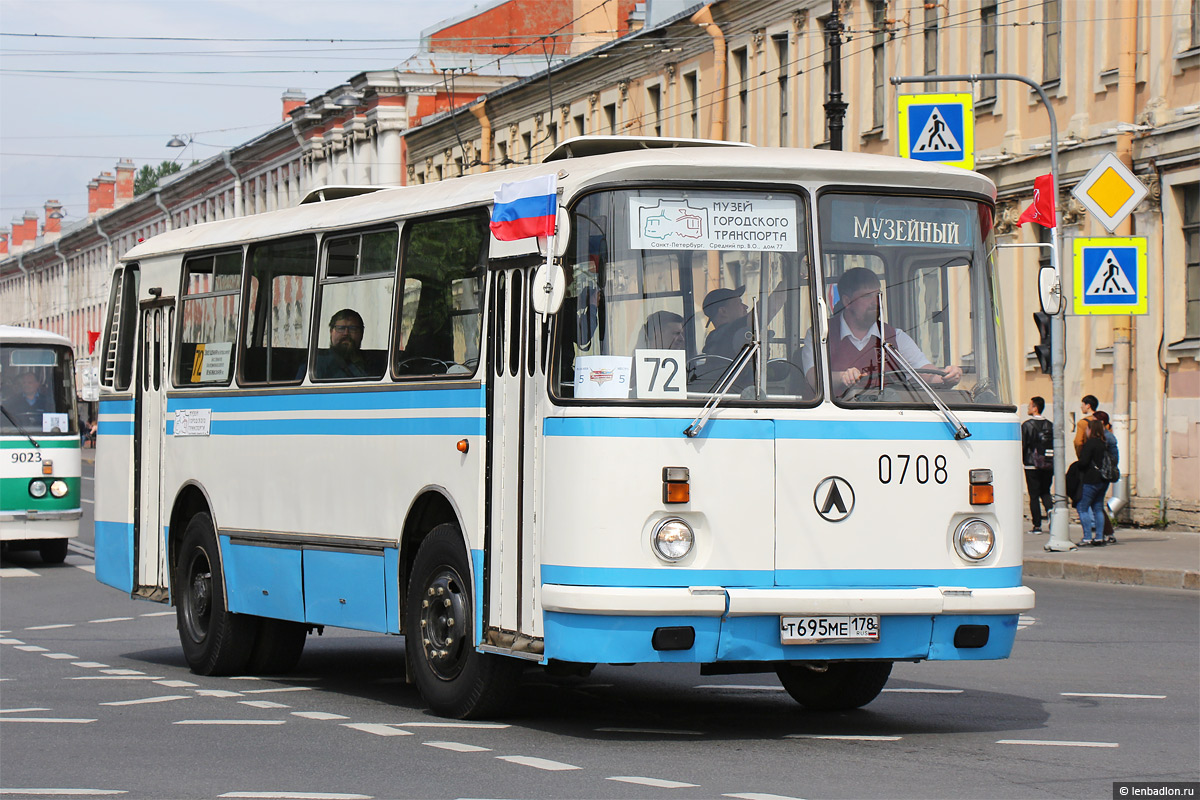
x: 525, y: 209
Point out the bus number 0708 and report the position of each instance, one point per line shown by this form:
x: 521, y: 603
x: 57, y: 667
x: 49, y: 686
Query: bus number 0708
x: 899, y: 471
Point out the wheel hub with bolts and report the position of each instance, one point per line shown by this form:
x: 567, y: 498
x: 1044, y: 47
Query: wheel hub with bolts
x: 444, y: 612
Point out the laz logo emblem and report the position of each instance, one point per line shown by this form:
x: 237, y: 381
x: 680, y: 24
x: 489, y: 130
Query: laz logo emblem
x: 834, y: 499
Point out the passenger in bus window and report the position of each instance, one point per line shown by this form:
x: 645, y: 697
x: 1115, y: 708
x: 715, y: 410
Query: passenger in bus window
x: 730, y: 318
x: 344, y: 358
x: 30, y: 401
x: 854, y: 339
x: 663, y: 331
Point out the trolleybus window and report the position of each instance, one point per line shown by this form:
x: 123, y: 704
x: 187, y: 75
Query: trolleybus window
x: 208, y: 323
x: 441, y: 297
x: 354, y: 306
x: 914, y: 302
x: 278, y: 303
x: 37, y: 389
x: 663, y: 286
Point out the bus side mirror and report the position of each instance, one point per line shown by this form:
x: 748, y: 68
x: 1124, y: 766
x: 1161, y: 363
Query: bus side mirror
x: 549, y: 286
x: 1049, y: 290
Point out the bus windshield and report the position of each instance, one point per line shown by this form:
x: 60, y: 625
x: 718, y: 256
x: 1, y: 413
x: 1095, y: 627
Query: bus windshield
x: 664, y: 286
x: 914, y: 304
x: 37, y: 389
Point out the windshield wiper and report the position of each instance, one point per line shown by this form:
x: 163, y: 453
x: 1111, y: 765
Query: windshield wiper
x: 960, y: 430
x: 749, y: 351
x: 17, y: 425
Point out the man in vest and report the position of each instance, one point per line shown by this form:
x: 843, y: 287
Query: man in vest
x: 855, y: 340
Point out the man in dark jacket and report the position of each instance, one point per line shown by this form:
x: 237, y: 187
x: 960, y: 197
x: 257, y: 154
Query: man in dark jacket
x: 1037, y: 436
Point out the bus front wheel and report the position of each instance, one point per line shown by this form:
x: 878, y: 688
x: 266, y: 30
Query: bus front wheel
x: 454, y: 678
x: 838, y: 686
x: 53, y: 551
x: 215, y: 641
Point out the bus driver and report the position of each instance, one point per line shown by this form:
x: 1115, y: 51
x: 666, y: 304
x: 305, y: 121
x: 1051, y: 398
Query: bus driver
x: 344, y: 358
x: 854, y: 339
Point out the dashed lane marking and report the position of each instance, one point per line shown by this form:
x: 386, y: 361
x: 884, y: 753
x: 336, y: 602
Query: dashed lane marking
x: 458, y: 747
x: 538, y: 763
x: 116, y: 678
x: 48, y: 792
x: 652, y: 731
x: 318, y: 715
x: 759, y: 796
x: 89, y: 664
x: 217, y: 693
x: 59, y: 656
x: 50, y: 627
x: 166, y: 698
x: 262, y: 704
x: 22, y: 710
x: 158, y: 614
x: 174, y: 684
x: 735, y: 687
x: 109, y: 619
x: 229, y: 722
x: 296, y: 796
x: 278, y: 689
x: 656, y: 782
x: 65, y: 720
x: 1116, y: 696
x: 1048, y: 743
x: 11, y: 641
x: 17, y: 572
x: 122, y: 671
x: 377, y: 728
x: 489, y: 725
x: 31, y: 648
x: 925, y: 691
x: 90, y: 568
x: 843, y: 737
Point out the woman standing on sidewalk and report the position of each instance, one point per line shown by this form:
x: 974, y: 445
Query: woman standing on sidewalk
x: 1091, y: 503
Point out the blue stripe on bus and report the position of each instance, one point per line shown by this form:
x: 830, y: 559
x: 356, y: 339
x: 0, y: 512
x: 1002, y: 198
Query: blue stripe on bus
x: 415, y: 426
x: 114, y: 428
x: 116, y: 406
x: 333, y: 401
x: 643, y: 428
x: 114, y: 554
x: 969, y: 577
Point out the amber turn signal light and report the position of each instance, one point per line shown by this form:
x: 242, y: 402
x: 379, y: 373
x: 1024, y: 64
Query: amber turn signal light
x: 463, y: 445
x: 981, y: 495
x: 47, y: 467
x: 675, y: 485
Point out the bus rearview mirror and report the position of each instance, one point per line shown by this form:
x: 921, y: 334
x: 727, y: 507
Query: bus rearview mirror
x: 1049, y: 290
x: 549, y: 285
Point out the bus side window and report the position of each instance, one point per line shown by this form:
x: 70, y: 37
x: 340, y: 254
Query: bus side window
x: 440, y: 304
x: 208, y: 314
x: 357, y: 283
x: 279, y: 289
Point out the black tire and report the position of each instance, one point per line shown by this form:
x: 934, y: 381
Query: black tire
x: 215, y: 640
x: 53, y: 551
x: 277, y: 647
x: 838, y: 686
x: 454, y: 678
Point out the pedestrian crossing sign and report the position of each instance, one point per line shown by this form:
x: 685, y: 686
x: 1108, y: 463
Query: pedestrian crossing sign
x: 938, y: 127
x: 1110, y: 275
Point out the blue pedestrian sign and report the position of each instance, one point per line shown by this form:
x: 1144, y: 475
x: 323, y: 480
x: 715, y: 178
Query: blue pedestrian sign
x: 1110, y: 275
x: 938, y: 127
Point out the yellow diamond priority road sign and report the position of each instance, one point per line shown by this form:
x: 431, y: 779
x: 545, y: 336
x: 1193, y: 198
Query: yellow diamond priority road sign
x: 1110, y: 191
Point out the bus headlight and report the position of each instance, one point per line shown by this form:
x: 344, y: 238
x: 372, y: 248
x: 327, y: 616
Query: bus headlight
x: 974, y: 539
x: 672, y: 539
x: 59, y: 488
x: 37, y: 488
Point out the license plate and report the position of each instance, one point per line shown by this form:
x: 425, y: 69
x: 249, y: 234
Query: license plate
x: 815, y: 630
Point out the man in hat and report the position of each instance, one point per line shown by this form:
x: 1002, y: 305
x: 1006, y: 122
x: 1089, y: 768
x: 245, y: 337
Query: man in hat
x: 730, y: 318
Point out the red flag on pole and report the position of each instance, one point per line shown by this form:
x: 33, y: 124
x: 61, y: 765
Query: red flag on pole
x: 92, y: 337
x: 1042, y: 209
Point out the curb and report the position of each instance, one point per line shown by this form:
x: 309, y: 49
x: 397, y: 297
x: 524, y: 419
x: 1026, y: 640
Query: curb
x: 1100, y: 573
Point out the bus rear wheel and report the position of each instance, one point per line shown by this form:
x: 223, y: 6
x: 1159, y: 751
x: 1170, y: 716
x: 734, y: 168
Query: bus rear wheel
x: 53, y: 551
x: 454, y: 678
x: 215, y: 641
x: 838, y: 686
x: 277, y: 647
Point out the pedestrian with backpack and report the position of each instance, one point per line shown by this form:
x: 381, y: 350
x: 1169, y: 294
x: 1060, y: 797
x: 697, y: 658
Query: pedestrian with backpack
x: 1093, y: 457
x: 1037, y: 455
x: 1111, y: 470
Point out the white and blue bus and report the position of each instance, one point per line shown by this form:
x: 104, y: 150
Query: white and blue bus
x: 39, y: 443
x: 754, y: 414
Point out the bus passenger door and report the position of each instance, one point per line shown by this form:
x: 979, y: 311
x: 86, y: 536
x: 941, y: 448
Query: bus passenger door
x: 151, y: 576
x: 515, y: 375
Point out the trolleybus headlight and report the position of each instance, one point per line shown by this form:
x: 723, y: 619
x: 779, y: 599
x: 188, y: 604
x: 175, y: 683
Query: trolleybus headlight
x: 974, y: 539
x: 59, y: 488
x: 37, y: 488
x: 672, y: 539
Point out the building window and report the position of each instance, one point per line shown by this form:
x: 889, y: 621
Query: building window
x: 1051, y: 41
x: 741, y: 60
x: 580, y: 125
x: 878, y: 63
x: 527, y: 143
x: 691, y: 85
x: 781, y: 53
x: 1195, y: 41
x: 1191, y: 249
x: 654, y: 98
x: 502, y: 151
x: 988, y: 38
x: 610, y: 118
x: 931, y: 43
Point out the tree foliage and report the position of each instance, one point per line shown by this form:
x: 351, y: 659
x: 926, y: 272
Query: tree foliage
x: 148, y: 177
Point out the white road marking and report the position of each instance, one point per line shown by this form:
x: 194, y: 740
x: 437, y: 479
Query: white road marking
x: 759, y: 796
x: 843, y: 738
x: 1045, y: 743
x: 50, y: 627
x: 173, y: 684
x: 662, y: 731
x: 46, y: 719
x: 166, y: 698
x: 1025, y: 621
x: 661, y: 784
x: 116, y: 678
x: 296, y: 796
x: 1116, y: 696
x: 11, y: 641
x: 120, y: 671
x: 158, y: 614
x: 245, y: 678
x: 377, y: 728
x: 229, y: 722
x: 217, y: 693
x: 280, y: 689
x: 925, y: 691
x: 458, y: 747
x: 90, y: 502
x: 59, y: 656
x: 60, y: 792
x: 21, y: 710
x: 17, y: 572
x: 318, y: 715
x: 87, y: 568
x: 538, y: 763
x: 454, y: 724
x: 109, y: 619
x: 734, y: 687
x: 262, y: 704
x: 89, y: 664
x: 31, y: 648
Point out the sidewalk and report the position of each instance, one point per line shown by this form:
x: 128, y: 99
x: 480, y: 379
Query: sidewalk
x: 1142, y: 557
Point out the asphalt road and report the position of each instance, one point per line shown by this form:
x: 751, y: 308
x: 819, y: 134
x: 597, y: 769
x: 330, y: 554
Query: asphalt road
x: 95, y: 695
